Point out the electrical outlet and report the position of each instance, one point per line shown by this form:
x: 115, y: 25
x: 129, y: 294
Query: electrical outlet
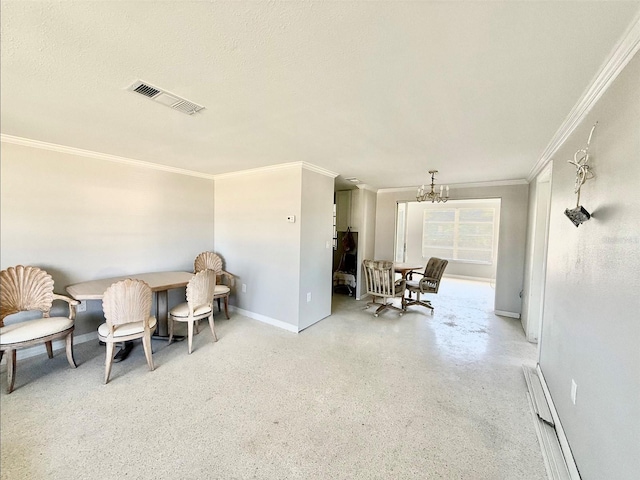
x: 244, y: 288
x: 574, y: 390
x: 309, y: 297
x: 81, y: 307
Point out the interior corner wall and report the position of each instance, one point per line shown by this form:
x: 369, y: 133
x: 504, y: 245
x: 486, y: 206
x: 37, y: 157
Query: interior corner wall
x: 316, y: 247
x: 511, y: 236
x: 83, y: 218
x: 591, y: 331
x: 366, y: 238
x: 257, y: 243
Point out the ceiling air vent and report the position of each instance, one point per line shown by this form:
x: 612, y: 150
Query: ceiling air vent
x: 146, y: 90
x: 169, y: 99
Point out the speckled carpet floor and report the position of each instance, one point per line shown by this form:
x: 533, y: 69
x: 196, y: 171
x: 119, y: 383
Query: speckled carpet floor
x: 353, y: 397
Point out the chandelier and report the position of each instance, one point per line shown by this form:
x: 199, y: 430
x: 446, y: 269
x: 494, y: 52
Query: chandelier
x: 423, y: 196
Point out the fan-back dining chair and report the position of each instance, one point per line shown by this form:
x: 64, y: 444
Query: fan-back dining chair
x: 24, y: 289
x: 127, y: 311
x: 199, y: 304
x: 428, y: 283
x: 224, y: 280
x: 381, y: 283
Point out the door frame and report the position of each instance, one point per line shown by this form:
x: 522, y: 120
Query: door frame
x: 538, y: 257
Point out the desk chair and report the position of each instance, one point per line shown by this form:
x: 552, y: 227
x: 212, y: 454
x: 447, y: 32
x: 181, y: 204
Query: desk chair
x: 428, y: 283
x: 380, y: 280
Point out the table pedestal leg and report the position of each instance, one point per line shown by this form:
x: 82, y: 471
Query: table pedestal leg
x: 162, y: 314
x: 162, y: 304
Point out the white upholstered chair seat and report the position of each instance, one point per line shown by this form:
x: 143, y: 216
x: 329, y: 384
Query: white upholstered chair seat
x: 32, y: 329
x: 221, y: 290
x: 126, y: 329
x: 182, y: 310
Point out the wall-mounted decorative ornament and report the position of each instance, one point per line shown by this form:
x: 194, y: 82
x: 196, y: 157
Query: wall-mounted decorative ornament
x: 579, y: 214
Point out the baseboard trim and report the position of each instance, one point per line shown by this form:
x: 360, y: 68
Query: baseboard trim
x: 503, y: 313
x: 468, y: 277
x: 574, y: 474
x: 57, y: 345
x: 265, y: 319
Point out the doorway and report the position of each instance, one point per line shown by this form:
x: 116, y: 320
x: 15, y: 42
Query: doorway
x: 534, y: 298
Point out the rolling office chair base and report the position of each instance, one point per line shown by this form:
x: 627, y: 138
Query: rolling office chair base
x: 407, y: 302
x: 384, y: 306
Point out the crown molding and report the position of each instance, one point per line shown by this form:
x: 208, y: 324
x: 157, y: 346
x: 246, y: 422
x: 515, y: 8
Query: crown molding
x: 27, y: 142
x: 99, y: 156
x: 495, y: 183
x: 272, y: 168
x: 317, y: 169
x: 364, y: 186
x: 622, y: 54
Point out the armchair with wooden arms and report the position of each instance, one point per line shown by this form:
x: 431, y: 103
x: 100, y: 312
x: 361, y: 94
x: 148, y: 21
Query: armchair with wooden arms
x: 380, y: 280
x: 429, y: 283
x: 24, y: 289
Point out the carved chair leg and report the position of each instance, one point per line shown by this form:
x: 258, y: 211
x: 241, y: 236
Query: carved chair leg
x: 148, y: 353
x: 11, y: 370
x: 49, y: 345
x: 69, y: 345
x: 1, y: 354
x: 219, y: 304
x: 190, y: 329
x: 109, y: 361
x: 226, y: 306
x: 213, y: 330
x: 170, y: 324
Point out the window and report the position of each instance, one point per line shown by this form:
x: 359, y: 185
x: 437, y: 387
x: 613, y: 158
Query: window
x: 464, y: 234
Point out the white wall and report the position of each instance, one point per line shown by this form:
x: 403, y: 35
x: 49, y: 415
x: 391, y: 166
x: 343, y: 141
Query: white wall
x: 591, y: 327
x: 82, y: 218
x: 316, y: 247
x: 264, y: 251
x: 511, y: 243
x: 257, y: 243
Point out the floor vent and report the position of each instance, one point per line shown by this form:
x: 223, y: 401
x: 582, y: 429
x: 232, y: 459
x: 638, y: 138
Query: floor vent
x: 554, y: 460
x: 168, y: 99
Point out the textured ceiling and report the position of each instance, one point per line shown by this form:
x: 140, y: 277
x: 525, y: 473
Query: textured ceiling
x: 382, y: 91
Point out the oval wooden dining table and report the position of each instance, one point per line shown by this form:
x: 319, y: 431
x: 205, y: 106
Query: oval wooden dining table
x: 160, y: 283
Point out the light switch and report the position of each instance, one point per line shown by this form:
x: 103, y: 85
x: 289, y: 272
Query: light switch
x: 291, y: 218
